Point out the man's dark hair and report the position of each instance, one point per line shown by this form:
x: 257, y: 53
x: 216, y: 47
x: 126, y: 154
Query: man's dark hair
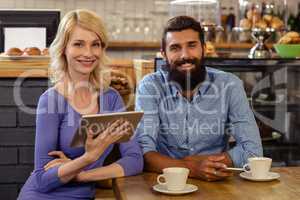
x: 181, y: 23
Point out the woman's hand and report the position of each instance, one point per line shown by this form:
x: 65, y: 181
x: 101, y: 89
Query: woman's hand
x: 62, y: 159
x: 128, y: 133
x: 94, y: 147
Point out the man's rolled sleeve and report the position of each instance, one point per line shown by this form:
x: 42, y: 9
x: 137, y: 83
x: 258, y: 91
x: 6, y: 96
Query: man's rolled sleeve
x: 243, y: 127
x: 146, y: 135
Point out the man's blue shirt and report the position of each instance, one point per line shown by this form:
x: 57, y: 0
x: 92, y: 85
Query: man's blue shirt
x: 177, y: 127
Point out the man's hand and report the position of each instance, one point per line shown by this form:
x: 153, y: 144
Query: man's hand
x: 62, y: 159
x: 209, y: 167
x: 227, y: 160
x: 206, y: 167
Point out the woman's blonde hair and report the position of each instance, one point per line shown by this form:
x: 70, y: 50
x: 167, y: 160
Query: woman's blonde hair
x: 100, y: 76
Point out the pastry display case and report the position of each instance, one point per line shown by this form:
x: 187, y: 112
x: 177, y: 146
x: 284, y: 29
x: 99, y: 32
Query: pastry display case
x: 261, y: 21
x: 205, y: 11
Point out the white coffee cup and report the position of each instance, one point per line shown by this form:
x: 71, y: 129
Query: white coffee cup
x: 259, y: 167
x: 175, y: 178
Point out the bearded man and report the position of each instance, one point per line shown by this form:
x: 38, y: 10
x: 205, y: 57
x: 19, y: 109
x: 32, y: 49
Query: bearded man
x: 191, y: 111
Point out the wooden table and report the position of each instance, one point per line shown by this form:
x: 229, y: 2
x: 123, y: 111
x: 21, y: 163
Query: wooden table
x: 286, y: 188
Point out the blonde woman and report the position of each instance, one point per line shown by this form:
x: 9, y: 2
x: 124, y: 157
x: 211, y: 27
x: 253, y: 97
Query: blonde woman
x: 80, y: 87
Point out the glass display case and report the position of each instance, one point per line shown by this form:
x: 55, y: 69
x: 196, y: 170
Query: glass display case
x: 261, y: 20
x: 263, y: 14
x: 205, y: 11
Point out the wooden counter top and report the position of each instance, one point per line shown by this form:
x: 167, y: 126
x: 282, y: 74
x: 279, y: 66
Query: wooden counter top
x: 39, y: 68
x: 24, y: 68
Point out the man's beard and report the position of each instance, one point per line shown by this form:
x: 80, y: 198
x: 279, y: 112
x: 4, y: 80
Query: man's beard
x: 187, y: 80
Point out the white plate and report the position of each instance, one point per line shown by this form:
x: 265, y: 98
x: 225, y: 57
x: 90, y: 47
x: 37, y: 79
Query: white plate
x: 163, y: 189
x: 271, y: 176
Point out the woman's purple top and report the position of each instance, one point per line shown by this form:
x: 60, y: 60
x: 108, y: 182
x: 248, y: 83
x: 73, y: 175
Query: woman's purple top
x: 56, y: 123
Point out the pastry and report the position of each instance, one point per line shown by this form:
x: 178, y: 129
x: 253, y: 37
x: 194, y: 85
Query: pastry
x: 277, y: 23
x: 261, y: 24
x: 14, y: 52
x: 210, y: 50
x: 253, y: 15
x: 290, y: 38
x: 45, y: 52
x: 32, y: 51
x: 267, y: 18
x: 245, y: 24
x: 285, y: 40
x: 296, y: 40
x: 292, y: 34
x: 254, y: 19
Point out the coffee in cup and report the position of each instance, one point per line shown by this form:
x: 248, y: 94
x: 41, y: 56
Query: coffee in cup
x: 259, y: 167
x: 175, y: 178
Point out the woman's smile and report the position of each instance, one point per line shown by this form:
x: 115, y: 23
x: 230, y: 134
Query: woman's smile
x: 88, y: 63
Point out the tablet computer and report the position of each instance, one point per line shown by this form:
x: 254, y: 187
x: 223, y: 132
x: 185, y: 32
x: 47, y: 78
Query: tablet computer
x: 99, y: 122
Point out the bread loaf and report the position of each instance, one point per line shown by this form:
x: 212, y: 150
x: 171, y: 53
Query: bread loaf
x: 291, y: 37
x: 14, y: 52
x: 32, y: 51
x: 45, y: 52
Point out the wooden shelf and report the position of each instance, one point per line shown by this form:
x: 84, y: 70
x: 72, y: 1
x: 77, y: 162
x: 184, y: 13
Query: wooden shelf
x: 129, y: 45
x: 237, y: 45
x: 115, y: 45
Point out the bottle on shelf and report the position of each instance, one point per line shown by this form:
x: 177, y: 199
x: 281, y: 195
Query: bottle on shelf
x: 230, y: 22
x: 297, y: 20
x: 291, y: 22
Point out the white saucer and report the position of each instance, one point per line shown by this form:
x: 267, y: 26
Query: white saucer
x: 163, y: 189
x: 271, y: 176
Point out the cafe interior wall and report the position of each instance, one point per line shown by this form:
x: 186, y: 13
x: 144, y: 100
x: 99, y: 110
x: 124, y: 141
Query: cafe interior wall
x: 126, y: 20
